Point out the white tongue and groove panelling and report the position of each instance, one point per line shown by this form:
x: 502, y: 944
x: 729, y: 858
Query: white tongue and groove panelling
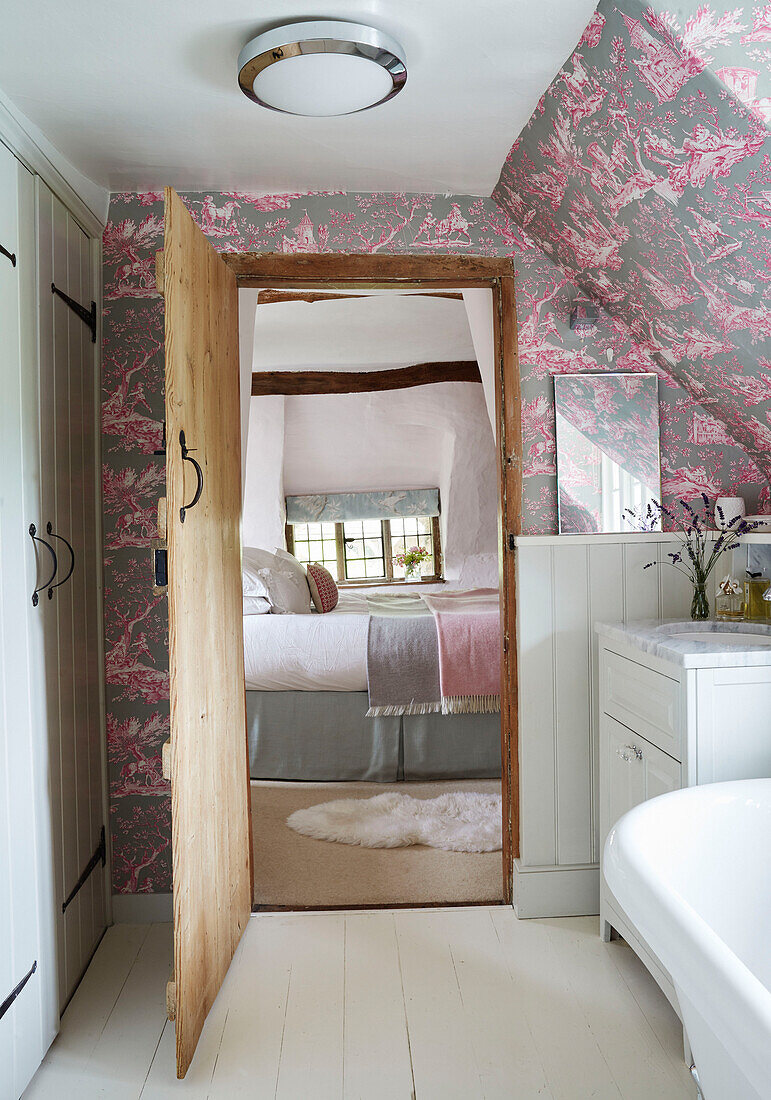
x: 566, y: 584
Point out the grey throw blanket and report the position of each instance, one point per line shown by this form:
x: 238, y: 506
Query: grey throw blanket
x: 402, y: 657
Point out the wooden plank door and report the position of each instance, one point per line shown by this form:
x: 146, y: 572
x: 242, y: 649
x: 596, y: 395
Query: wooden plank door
x: 209, y: 772
x: 27, y: 961
x: 70, y: 620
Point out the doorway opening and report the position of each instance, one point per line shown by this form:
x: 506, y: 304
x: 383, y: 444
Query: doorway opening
x: 205, y: 757
x: 350, y: 364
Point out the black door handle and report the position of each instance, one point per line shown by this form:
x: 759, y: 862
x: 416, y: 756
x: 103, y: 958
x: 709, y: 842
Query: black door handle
x: 61, y: 538
x: 198, y: 473
x: 11, y: 255
x: 36, y: 538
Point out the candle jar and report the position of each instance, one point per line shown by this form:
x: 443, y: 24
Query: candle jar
x: 728, y: 510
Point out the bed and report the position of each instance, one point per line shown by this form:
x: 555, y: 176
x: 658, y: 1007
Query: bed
x: 309, y: 652
x: 307, y: 702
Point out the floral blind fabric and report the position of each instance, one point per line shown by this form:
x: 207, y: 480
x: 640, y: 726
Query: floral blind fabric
x: 338, y: 507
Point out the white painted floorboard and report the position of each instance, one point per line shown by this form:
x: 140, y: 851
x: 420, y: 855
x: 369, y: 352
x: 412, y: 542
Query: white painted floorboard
x: 429, y: 1004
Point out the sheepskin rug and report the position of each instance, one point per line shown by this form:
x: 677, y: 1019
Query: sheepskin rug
x: 459, y: 821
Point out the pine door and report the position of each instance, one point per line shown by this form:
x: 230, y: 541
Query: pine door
x: 209, y: 771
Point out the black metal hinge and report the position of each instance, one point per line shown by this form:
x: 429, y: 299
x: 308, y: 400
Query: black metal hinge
x: 99, y: 856
x: 15, y: 992
x: 512, y: 541
x: 11, y: 255
x: 87, y: 316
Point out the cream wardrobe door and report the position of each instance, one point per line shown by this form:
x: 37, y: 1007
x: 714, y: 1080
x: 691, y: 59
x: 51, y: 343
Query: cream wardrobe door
x: 209, y: 772
x: 28, y: 982
x: 68, y: 463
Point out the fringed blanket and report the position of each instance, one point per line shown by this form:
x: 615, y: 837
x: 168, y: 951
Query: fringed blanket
x: 434, y: 654
x: 469, y: 634
x: 402, y: 657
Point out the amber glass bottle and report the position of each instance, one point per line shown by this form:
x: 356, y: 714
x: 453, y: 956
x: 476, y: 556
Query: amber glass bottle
x: 756, y: 609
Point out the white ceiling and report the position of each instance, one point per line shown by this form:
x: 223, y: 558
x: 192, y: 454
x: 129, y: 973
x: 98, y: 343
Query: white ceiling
x: 378, y: 332
x: 142, y: 94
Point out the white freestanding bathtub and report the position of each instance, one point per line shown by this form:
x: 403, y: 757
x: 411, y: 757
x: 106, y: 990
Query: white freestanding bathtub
x: 692, y: 871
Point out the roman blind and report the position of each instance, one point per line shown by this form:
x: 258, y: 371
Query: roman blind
x: 379, y: 504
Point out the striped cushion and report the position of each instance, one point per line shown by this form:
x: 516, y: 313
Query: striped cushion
x: 323, y: 588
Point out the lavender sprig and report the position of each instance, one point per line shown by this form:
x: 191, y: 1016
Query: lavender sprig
x: 695, y: 527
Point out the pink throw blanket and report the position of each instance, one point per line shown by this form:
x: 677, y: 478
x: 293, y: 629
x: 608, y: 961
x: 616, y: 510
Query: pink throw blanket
x: 468, y: 627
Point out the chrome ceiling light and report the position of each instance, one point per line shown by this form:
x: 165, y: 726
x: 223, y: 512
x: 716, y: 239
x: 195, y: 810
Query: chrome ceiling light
x: 323, y: 67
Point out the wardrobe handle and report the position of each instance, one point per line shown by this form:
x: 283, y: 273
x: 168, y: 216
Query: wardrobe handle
x: 36, y: 538
x: 61, y: 538
x: 198, y: 473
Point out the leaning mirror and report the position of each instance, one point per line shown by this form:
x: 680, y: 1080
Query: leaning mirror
x: 607, y: 451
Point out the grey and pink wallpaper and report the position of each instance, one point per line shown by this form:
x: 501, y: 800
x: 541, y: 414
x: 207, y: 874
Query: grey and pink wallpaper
x: 697, y: 450
x: 646, y: 178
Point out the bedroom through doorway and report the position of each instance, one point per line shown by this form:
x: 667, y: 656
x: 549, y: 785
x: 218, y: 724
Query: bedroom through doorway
x: 376, y: 516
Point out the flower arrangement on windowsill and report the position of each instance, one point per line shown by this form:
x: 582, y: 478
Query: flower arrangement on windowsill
x: 695, y: 528
x: 410, y: 560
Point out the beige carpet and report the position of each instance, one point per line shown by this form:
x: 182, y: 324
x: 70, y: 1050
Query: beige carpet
x: 295, y: 870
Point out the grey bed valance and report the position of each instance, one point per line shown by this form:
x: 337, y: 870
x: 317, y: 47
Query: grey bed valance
x: 337, y: 507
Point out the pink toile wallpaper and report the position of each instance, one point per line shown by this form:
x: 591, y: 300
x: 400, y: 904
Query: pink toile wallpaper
x: 645, y: 176
x: 698, y: 451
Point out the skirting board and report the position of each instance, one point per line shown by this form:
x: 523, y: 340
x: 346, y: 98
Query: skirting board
x: 141, y: 908
x: 556, y: 891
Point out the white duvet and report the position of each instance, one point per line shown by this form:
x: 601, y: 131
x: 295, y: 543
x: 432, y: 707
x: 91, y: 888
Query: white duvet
x: 308, y: 652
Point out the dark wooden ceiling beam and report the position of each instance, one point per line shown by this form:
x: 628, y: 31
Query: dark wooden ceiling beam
x: 327, y: 381
x: 271, y: 297
x: 319, y: 271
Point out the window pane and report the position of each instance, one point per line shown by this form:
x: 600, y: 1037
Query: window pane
x: 410, y: 531
x: 310, y: 547
x: 363, y: 545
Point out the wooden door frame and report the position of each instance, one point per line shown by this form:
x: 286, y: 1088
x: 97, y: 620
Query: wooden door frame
x: 347, y: 271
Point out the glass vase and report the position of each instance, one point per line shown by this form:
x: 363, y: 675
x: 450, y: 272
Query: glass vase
x: 700, y: 602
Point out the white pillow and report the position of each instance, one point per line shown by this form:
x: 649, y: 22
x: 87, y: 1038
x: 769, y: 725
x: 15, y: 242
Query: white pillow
x: 290, y: 585
x: 256, y: 605
x: 253, y: 561
x: 278, y: 578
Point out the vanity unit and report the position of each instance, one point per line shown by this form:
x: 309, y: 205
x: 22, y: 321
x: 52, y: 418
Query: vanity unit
x: 681, y: 704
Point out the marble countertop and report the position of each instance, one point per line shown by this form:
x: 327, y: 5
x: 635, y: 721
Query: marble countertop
x: 659, y: 638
